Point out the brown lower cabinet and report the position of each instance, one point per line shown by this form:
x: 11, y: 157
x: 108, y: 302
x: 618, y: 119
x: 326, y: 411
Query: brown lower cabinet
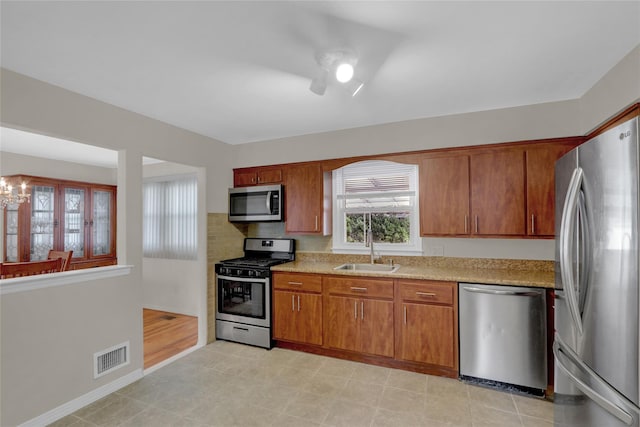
x: 360, y: 315
x: 407, y: 324
x: 297, y: 308
x: 428, y: 322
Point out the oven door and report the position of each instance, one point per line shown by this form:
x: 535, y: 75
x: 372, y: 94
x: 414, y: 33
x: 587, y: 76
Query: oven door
x: 244, y: 300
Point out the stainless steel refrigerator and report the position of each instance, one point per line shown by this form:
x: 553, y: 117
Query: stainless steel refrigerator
x: 597, y: 299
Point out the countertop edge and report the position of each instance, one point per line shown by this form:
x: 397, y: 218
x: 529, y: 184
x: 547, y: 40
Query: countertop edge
x: 505, y: 277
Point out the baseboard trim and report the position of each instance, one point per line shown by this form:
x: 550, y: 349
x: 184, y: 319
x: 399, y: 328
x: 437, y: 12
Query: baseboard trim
x: 84, y: 400
x: 172, y: 359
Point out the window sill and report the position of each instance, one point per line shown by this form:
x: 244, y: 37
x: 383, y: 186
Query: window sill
x: 42, y: 281
x: 381, y: 252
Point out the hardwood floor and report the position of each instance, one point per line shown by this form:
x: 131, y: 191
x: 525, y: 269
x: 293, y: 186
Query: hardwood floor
x: 167, y: 334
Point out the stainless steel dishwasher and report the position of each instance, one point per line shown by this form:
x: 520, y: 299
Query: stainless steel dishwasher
x: 503, y: 332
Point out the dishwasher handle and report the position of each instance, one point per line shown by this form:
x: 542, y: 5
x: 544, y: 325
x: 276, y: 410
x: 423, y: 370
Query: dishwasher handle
x: 507, y: 293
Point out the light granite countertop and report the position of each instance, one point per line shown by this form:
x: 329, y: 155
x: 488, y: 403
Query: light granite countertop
x: 539, y: 274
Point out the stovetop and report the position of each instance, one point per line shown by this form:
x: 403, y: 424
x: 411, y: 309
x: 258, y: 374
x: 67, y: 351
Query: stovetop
x: 259, y: 256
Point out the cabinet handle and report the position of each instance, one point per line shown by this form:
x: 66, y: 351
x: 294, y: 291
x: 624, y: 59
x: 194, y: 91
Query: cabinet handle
x: 298, y: 302
x: 295, y: 283
x: 533, y: 224
x: 357, y: 289
x: 405, y: 314
x: 426, y: 294
x: 466, y: 224
x: 362, y: 310
x: 476, y: 223
x: 316, y: 222
x: 293, y: 303
x: 355, y: 309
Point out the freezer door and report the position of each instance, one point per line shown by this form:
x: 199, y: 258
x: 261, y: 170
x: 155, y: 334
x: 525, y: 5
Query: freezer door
x: 609, y: 307
x: 596, y: 404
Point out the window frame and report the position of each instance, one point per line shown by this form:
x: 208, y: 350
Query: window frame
x: 339, y: 243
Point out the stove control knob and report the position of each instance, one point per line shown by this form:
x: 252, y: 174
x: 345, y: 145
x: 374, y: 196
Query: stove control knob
x: 250, y: 273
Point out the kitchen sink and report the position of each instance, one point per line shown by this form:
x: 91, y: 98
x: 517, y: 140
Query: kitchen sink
x: 383, y: 268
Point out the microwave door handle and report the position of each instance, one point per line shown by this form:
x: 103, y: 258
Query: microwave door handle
x: 567, y: 224
x: 268, y: 201
x: 559, y: 352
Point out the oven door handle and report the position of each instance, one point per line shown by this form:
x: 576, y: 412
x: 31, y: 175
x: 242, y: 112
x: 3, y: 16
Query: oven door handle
x: 243, y: 279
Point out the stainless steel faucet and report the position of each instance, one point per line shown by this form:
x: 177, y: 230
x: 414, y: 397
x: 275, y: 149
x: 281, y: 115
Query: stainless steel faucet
x: 369, y: 244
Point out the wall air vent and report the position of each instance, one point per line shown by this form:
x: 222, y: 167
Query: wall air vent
x: 109, y: 360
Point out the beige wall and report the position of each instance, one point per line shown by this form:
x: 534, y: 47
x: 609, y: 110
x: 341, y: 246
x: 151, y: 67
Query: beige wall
x: 11, y: 164
x: 486, y: 127
x: 49, y: 337
x: 615, y: 91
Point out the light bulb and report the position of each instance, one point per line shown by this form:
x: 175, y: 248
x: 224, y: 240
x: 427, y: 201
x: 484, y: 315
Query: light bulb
x: 344, y: 72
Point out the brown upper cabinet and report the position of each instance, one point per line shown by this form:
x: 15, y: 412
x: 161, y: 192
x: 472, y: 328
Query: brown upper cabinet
x: 307, y: 195
x: 257, y: 176
x: 62, y: 215
x: 499, y: 190
x: 497, y: 193
x: 444, y: 195
x: 504, y: 191
x: 540, y: 163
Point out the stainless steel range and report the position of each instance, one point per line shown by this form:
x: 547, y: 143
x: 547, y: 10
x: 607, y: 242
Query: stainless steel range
x: 243, y: 309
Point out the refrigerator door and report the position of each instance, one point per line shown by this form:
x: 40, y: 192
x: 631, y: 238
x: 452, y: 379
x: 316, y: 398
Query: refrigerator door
x: 596, y: 404
x: 608, y: 308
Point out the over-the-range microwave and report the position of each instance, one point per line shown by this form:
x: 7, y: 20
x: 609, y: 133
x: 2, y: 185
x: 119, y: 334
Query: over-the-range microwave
x: 256, y: 204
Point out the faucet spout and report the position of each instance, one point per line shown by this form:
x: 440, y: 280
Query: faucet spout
x: 370, y: 244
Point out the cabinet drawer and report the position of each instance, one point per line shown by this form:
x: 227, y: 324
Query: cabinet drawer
x: 360, y: 286
x: 297, y: 282
x: 427, y: 291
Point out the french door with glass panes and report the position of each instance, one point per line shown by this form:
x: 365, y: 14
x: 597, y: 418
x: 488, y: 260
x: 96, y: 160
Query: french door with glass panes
x: 63, y: 215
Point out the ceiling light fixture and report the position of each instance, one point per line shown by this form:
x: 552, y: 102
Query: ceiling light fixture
x: 340, y: 63
x: 344, y: 72
x: 10, y: 196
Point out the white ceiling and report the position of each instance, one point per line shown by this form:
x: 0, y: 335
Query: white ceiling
x: 239, y: 71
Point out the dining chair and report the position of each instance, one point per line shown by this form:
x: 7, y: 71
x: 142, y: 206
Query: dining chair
x: 19, y: 269
x: 65, y: 255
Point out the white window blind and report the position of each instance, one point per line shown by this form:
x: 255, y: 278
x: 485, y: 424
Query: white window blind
x: 169, y: 218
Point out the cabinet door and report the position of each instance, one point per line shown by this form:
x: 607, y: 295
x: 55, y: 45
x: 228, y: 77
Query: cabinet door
x: 541, y: 188
x: 43, y: 221
x: 297, y: 317
x: 309, y: 321
x: 244, y: 178
x: 376, y: 327
x: 444, y: 196
x: 12, y: 244
x: 74, y: 221
x: 428, y: 334
x: 102, y: 223
x: 497, y: 193
x: 284, y: 316
x: 344, y: 320
x: 303, y: 199
x: 269, y: 176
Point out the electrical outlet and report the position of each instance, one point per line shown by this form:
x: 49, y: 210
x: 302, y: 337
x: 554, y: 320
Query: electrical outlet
x: 435, y: 251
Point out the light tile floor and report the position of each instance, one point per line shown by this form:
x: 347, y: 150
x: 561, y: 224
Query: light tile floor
x: 228, y: 384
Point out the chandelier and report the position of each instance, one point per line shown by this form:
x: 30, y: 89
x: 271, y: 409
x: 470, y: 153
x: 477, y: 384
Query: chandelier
x: 10, y: 196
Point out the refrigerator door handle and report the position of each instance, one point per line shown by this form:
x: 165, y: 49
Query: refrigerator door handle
x: 561, y: 351
x: 569, y: 214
